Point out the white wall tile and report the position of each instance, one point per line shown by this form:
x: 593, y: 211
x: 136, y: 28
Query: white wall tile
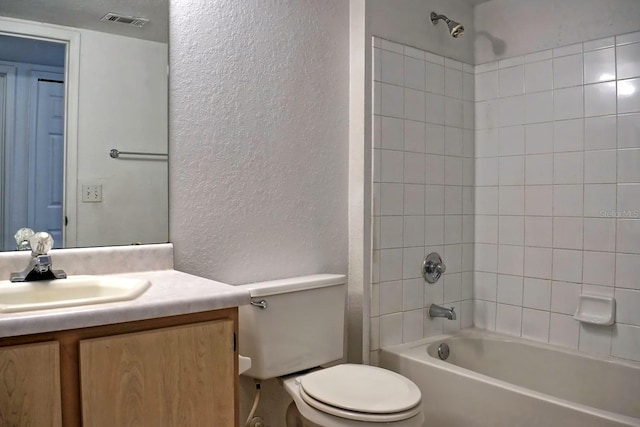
x: 390, y: 297
x: 487, y: 143
x: 629, y: 165
x: 414, y: 136
x: 435, y: 78
x: 414, y: 168
x: 486, y: 200
x: 568, y: 103
x: 538, y: 231
x: 538, y: 76
x: 628, y: 96
x: 511, y: 81
x: 453, y: 141
x: 391, y: 133
x: 434, y: 105
x: 452, y: 287
x: 413, y: 231
x: 567, y: 265
x: 539, y: 169
x: 599, y: 66
x: 511, y: 140
x: 510, y: 289
x: 512, y: 110
x: 511, y: 200
x: 390, y: 232
x: 568, y: 200
x: 628, y: 200
x: 392, y: 67
x: 486, y: 86
x: 628, y: 131
x: 625, y: 342
x: 509, y: 319
x: 564, y: 330
x: 390, y: 266
x: 484, y: 314
x: 600, y: 234
x: 567, y: 233
x: 434, y: 230
x: 600, y: 133
x: 487, y: 171
x: 539, y: 107
x: 453, y: 112
x: 466, y: 314
x: 453, y: 255
x: 392, y: 167
x: 628, y: 60
x: 595, y: 339
x: 453, y: 83
x: 391, y: 46
x: 414, y: 73
x: 599, y: 200
x: 511, y: 230
x: 600, y: 166
x: 535, y: 325
x: 600, y: 99
x: 391, y: 329
x: 568, y: 168
x: 486, y: 229
x: 413, y: 294
x: 628, y: 271
x: 539, y: 138
x: 538, y: 262
x: 414, y: 104
x: 511, y: 170
x: 537, y: 294
x: 599, y: 268
x: 628, y: 38
x: 539, y: 200
x: 628, y: 235
x: 567, y: 71
x: 511, y: 260
x: 539, y: 56
x: 414, y: 199
x: 391, y: 100
x: 567, y: 50
x: 568, y: 135
x: 413, y: 52
x: 486, y: 258
x: 564, y: 297
x: 391, y: 199
x: 452, y: 200
x: 627, y: 303
x: 412, y: 325
x: 374, y: 333
x: 452, y: 229
x: 599, y: 44
x: 434, y: 138
x: 487, y: 114
x: 468, y: 86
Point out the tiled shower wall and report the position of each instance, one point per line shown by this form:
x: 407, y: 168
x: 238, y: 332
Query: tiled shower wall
x: 423, y: 191
x: 557, y: 201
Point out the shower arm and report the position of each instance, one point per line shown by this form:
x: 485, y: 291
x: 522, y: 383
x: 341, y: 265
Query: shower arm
x: 435, y: 18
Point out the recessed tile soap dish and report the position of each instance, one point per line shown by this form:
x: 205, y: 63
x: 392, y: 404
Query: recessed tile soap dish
x: 596, y: 310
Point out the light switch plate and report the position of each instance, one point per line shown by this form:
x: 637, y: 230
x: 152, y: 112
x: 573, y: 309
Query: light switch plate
x: 92, y: 193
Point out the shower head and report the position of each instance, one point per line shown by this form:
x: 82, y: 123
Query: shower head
x: 455, y: 28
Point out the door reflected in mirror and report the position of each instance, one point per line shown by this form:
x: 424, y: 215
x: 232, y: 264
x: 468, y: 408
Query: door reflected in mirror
x: 71, y: 95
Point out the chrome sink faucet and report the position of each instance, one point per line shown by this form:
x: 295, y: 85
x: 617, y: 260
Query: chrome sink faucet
x: 438, y: 311
x: 39, y: 267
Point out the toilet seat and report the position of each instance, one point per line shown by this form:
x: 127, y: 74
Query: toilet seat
x: 361, y: 393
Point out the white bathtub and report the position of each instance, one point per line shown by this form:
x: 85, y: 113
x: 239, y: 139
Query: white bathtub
x: 492, y: 380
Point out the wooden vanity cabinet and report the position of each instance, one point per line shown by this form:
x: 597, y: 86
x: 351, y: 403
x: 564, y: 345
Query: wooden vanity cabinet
x: 178, y: 371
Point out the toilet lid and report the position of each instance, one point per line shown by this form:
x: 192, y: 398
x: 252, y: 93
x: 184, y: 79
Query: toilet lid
x: 361, y: 388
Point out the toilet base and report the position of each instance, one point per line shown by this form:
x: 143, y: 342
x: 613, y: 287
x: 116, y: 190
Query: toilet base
x: 295, y: 418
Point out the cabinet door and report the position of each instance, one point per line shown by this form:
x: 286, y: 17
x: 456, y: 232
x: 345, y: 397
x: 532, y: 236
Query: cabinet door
x: 180, y: 376
x: 30, y: 385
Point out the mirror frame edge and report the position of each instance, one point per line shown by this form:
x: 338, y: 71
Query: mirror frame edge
x: 71, y: 38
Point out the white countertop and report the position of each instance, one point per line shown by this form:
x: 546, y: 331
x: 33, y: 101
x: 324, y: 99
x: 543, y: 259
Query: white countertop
x: 171, y: 293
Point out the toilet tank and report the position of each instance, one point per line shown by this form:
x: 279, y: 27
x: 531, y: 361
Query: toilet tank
x: 301, y: 327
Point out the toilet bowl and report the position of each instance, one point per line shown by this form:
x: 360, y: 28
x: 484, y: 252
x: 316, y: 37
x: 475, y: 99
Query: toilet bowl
x: 354, y: 396
x: 296, y: 325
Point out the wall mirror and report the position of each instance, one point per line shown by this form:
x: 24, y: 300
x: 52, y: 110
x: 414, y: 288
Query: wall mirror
x: 78, y: 80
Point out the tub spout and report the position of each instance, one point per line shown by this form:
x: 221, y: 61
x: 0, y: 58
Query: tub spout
x: 438, y: 311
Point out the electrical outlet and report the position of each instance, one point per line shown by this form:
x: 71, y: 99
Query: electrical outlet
x: 92, y: 193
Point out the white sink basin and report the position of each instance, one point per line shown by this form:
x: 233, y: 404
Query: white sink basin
x: 70, y: 292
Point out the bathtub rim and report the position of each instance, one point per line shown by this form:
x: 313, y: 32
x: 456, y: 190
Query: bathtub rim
x: 406, y: 350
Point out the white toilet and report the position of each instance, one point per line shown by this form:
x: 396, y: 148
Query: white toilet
x: 295, y: 325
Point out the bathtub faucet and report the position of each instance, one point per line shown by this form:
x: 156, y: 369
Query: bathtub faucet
x: 438, y: 311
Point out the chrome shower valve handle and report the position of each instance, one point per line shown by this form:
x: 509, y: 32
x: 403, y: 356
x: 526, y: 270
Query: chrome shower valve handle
x: 433, y: 267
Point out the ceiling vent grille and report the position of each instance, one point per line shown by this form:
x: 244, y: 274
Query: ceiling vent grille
x: 129, y: 20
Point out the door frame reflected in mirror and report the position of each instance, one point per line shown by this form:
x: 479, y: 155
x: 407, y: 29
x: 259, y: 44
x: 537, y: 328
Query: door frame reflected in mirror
x: 19, y: 28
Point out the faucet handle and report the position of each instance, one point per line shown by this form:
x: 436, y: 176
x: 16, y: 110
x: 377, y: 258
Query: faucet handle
x: 41, y: 243
x: 22, y: 237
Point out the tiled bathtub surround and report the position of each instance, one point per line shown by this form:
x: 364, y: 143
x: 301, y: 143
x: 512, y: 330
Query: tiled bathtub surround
x: 423, y: 191
x: 557, y: 212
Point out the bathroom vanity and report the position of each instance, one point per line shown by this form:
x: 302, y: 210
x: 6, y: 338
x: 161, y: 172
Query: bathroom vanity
x: 167, y: 358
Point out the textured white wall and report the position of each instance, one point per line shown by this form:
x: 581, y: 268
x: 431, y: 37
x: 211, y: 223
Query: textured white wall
x: 259, y: 138
x: 507, y: 28
x: 408, y: 22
